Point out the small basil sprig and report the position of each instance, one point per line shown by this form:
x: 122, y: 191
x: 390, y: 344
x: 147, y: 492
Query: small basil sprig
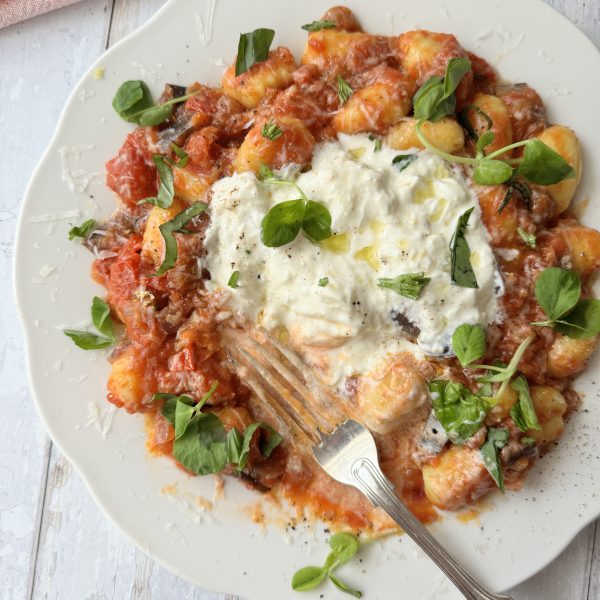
x: 133, y: 103
x: 558, y: 293
x: 540, y: 164
x: 83, y: 230
x: 166, y: 186
x: 176, y: 225
x: 283, y: 222
x: 468, y: 343
x: 523, y: 412
x: 201, y: 443
x: 461, y: 270
x: 460, y: 412
x: 343, y: 547
x: 318, y: 25
x: 271, y: 130
x: 496, y: 439
x: 102, y: 322
x: 344, y: 89
x: 410, y: 285
x: 253, y: 47
x: 436, y: 98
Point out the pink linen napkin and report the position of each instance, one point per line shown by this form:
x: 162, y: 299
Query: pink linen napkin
x: 13, y: 11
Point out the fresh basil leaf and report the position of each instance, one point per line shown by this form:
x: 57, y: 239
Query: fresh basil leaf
x: 101, y: 318
x: 377, y: 143
x: 343, y: 587
x: 521, y: 188
x: 271, y: 130
x: 344, y: 89
x: 316, y: 222
x: 318, y: 25
x: 166, y: 187
x: 132, y: 98
x: 234, y: 444
x: 427, y: 98
x: 282, y: 223
x: 484, y: 141
x: 456, y: 69
x: 523, y: 412
x: 271, y: 440
x: 528, y: 238
x: 155, y: 115
x: 253, y: 47
x: 233, y: 280
x: 344, y: 546
x: 88, y: 341
x: 542, y: 165
x: 404, y: 160
x: 181, y: 154
x: 324, y: 281
x: 492, y: 172
x: 557, y: 291
x: 461, y: 270
x: 308, y: 578
x: 175, y: 225
x: 410, y: 285
x: 201, y: 447
x: 460, y: 412
x: 169, y: 406
x: 583, y: 322
x: 83, y: 230
x: 468, y: 343
x: 185, y: 409
x: 496, y: 439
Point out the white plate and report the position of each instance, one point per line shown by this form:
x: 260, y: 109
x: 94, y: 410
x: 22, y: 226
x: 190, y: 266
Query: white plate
x: 222, y: 549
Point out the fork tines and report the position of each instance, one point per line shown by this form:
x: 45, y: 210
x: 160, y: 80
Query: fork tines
x: 289, y: 393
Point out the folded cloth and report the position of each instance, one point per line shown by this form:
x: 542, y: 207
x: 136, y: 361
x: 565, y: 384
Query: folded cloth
x: 13, y: 11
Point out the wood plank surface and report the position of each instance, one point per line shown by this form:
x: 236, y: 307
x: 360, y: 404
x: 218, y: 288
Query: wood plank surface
x: 54, y: 542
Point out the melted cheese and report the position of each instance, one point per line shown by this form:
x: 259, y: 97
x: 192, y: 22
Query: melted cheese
x: 387, y: 222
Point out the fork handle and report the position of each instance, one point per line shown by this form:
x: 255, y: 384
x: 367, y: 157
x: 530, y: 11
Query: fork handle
x: 379, y: 490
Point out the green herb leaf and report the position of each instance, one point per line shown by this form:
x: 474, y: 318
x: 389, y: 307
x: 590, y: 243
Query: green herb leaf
x: 318, y: 25
x: 343, y: 587
x: 253, y: 47
x: 155, y: 115
x: 528, y: 238
x: 496, y: 439
x: 173, y: 226
x: 271, y: 130
x: 83, y: 230
x: 324, y: 281
x: 427, y: 98
x: 463, y: 118
x: 271, y: 440
x: 521, y: 188
x: 460, y: 412
x: 265, y: 173
x: 377, y: 143
x: 582, y: 322
x: 468, y: 343
x: 527, y: 441
x: 308, y: 578
x: 282, y: 223
x: 166, y: 187
x: 456, y: 69
x: 233, y: 280
x: 492, y: 172
x: 542, y: 165
x: 557, y: 291
x: 484, y: 141
x: 410, y: 285
x: 404, y: 160
x: 101, y: 318
x: 344, y: 89
x: 523, y: 412
x: 169, y: 406
x: 461, y: 270
x: 131, y: 99
x: 181, y: 154
x: 316, y: 221
x: 344, y: 546
x: 88, y: 341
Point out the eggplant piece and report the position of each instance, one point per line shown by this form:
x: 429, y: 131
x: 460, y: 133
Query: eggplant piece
x: 179, y: 125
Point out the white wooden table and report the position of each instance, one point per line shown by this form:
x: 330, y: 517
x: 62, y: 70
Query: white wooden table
x: 54, y: 542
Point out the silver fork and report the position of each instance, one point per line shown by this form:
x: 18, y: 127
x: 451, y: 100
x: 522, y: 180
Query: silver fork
x: 292, y: 398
